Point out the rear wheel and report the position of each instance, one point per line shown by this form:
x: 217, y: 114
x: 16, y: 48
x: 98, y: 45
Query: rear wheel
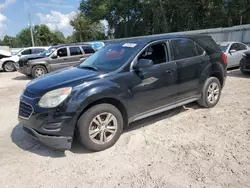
x: 100, y: 127
x: 244, y: 72
x: 210, y: 93
x: 38, y: 71
x: 9, y: 66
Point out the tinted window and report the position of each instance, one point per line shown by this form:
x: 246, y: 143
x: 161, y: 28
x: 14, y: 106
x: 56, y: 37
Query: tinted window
x: 38, y: 50
x: 157, y: 53
x: 26, y: 52
x: 75, y: 51
x: 241, y: 47
x: 62, y: 52
x: 88, y: 49
x: 234, y: 46
x: 184, y: 48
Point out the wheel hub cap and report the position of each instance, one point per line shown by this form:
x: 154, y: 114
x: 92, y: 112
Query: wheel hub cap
x: 103, y: 128
x: 213, y: 92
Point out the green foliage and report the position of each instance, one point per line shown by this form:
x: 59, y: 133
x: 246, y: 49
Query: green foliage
x: 142, y: 17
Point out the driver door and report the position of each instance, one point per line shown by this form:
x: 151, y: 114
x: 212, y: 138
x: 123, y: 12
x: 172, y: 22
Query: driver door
x: 155, y: 87
x: 59, y: 59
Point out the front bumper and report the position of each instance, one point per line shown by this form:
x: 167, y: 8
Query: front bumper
x: 56, y: 142
x: 25, y: 70
x: 245, y: 64
x: 52, y: 127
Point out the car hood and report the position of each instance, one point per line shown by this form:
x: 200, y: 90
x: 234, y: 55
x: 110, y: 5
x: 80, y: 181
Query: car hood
x: 14, y: 58
x: 68, y: 77
x: 32, y: 57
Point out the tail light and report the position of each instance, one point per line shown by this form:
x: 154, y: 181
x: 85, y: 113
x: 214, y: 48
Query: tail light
x: 224, y: 58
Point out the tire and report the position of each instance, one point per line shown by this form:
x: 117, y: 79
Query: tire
x: 245, y: 72
x: 38, y: 71
x: 86, y: 123
x: 8, y: 66
x: 210, y: 99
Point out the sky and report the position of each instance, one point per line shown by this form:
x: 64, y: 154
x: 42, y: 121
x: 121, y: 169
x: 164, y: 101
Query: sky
x: 56, y: 14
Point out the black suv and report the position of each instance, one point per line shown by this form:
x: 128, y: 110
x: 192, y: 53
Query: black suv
x: 245, y: 63
x: 123, y: 82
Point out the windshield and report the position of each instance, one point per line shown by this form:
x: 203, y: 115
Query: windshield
x: 47, y: 53
x: 223, y: 47
x: 111, y: 57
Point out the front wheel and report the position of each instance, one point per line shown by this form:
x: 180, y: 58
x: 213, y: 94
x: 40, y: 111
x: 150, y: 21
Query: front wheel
x: 211, y: 92
x: 9, y: 66
x: 100, y: 127
x: 38, y: 71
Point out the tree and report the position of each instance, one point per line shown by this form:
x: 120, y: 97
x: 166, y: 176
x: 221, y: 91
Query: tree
x: 86, y: 30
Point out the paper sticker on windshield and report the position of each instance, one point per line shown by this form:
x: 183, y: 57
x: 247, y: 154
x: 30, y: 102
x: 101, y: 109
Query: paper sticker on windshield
x: 130, y: 45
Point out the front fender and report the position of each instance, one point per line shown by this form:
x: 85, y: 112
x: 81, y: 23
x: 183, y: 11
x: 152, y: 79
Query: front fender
x: 44, y: 63
x: 86, y: 94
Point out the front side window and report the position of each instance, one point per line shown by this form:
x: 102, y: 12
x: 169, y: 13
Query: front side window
x: 62, y: 52
x: 75, y: 51
x: 26, y: 52
x: 234, y: 46
x: 185, y: 48
x: 156, y: 53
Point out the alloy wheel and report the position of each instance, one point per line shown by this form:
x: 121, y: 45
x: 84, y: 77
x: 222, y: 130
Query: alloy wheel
x: 39, y: 72
x: 103, y: 128
x: 213, y: 93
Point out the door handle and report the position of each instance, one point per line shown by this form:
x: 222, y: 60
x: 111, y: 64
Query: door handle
x: 170, y: 70
x: 65, y: 59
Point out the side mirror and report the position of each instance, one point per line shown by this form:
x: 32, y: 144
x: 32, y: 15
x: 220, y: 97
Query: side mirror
x: 232, y: 51
x: 143, y: 64
x: 54, y: 56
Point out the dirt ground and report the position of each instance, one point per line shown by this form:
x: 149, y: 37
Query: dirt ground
x: 186, y: 147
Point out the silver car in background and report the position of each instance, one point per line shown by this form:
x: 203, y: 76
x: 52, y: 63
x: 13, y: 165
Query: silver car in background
x: 234, y: 51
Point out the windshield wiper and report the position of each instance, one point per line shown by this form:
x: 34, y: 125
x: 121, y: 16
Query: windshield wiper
x: 89, y: 67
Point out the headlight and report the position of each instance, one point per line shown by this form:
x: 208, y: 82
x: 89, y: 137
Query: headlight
x: 54, y: 98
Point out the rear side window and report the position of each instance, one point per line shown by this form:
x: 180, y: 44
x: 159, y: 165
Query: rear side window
x: 241, y: 47
x: 38, y: 50
x: 62, y: 52
x: 185, y: 48
x: 75, y: 51
x: 26, y: 52
x: 88, y: 49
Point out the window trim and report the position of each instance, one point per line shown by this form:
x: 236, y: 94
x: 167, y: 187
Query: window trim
x: 144, y: 48
x: 172, y: 53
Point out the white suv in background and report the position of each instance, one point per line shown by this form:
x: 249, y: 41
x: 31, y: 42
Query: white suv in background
x: 9, y: 64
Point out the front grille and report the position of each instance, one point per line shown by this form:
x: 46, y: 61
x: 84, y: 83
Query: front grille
x: 25, y: 110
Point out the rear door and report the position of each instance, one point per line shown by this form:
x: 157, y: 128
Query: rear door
x: 191, y: 60
x: 61, y: 59
x: 75, y: 55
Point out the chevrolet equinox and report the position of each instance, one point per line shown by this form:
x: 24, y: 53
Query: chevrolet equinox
x: 125, y: 81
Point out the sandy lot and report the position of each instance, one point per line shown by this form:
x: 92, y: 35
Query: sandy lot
x: 186, y: 147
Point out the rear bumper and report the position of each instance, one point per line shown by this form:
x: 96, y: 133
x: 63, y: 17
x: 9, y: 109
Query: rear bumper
x: 56, y: 142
